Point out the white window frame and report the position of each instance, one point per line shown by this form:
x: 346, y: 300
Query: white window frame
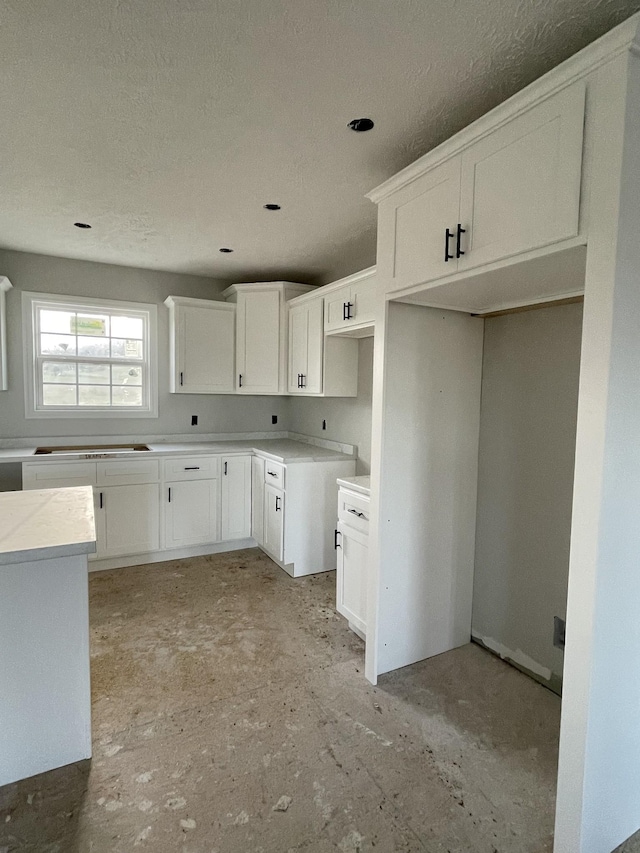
x: 33, y: 302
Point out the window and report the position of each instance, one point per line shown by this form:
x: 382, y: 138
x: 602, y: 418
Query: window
x: 89, y: 357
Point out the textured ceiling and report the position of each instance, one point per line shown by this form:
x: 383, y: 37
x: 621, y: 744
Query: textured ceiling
x: 167, y: 124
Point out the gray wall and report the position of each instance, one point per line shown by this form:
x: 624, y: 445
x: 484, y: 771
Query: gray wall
x: 348, y: 418
x: 82, y: 278
x: 527, y: 443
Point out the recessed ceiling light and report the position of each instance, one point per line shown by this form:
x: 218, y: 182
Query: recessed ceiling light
x: 226, y: 251
x: 360, y: 124
x: 271, y: 206
x: 81, y: 225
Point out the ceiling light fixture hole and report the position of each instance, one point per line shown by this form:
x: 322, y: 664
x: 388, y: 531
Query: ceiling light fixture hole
x: 271, y: 206
x: 360, y: 125
x: 81, y: 225
x: 226, y: 251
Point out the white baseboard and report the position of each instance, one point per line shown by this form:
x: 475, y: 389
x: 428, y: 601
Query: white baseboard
x: 171, y: 554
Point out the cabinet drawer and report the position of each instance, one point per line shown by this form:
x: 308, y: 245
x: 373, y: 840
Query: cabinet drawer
x: 274, y: 473
x: 55, y: 475
x: 353, y: 510
x: 125, y: 472
x: 192, y: 468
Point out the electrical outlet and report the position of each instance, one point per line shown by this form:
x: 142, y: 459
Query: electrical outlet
x: 194, y: 420
x: 324, y: 424
x: 558, y: 632
x: 274, y: 419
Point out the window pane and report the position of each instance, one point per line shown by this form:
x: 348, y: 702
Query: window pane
x: 59, y: 395
x: 126, y: 327
x: 57, y: 345
x: 94, y: 374
x: 53, y: 372
x: 90, y: 324
x: 97, y: 347
x: 126, y: 375
x: 127, y: 395
x: 126, y: 348
x: 56, y: 321
x: 94, y: 395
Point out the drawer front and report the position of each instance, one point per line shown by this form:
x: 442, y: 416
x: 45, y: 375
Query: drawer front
x: 57, y: 475
x: 192, y: 468
x: 128, y: 472
x: 353, y: 509
x: 274, y: 474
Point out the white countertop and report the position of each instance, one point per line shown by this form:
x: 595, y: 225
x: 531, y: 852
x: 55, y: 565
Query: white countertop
x: 47, y: 523
x: 280, y: 449
x: 361, y: 484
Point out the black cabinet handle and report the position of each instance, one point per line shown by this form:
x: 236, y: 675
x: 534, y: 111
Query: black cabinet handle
x: 349, y: 314
x: 277, y: 504
x: 299, y: 385
x: 344, y: 311
x: 169, y: 494
x: 181, y: 378
x: 461, y: 231
x: 336, y: 533
x: 239, y: 380
x: 303, y: 383
x: 355, y: 512
x: 272, y: 474
x: 225, y: 469
x: 193, y: 468
x: 448, y: 235
x: 101, y: 501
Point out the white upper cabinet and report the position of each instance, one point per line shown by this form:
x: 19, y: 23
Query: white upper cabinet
x: 202, y: 346
x: 520, y: 185
x: 349, y: 304
x: 261, y: 334
x: 413, y: 243
x: 306, y: 339
x: 319, y: 365
x: 5, y: 285
x: 510, y: 190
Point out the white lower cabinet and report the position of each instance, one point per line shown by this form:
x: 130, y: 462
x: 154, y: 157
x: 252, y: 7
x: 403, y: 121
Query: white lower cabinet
x: 351, y: 581
x: 127, y: 520
x: 298, y: 511
x: 352, y: 550
x: 273, y: 542
x: 191, y: 513
x: 236, y: 497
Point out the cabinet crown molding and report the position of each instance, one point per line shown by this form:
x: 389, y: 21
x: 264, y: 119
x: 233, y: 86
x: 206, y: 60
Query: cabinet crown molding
x: 172, y: 301
x: 624, y: 37
x: 254, y: 286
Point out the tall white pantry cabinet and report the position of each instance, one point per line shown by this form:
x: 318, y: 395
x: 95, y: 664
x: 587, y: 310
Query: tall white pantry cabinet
x: 537, y: 201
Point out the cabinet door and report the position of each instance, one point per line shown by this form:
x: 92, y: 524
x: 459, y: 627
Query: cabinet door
x: 351, y: 588
x: 363, y: 296
x: 128, y: 519
x: 298, y: 346
x: 191, y: 513
x: 205, y: 349
x: 412, y: 227
x: 257, y: 499
x: 306, y: 347
x: 258, y: 350
x: 335, y: 308
x: 521, y: 184
x: 236, y: 497
x: 274, y: 522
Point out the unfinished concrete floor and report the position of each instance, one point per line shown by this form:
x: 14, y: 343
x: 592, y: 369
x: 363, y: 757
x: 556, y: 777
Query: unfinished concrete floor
x: 231, y: 715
